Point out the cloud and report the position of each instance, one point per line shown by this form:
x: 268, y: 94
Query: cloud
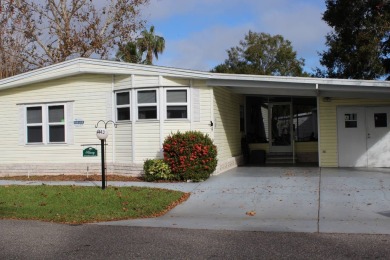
x: 203, y: 50
x: 198, y: 32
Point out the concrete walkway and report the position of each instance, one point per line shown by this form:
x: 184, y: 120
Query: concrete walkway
x: 288, y: 199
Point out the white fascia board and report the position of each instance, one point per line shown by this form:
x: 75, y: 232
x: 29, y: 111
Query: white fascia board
x: 266, y: 87
x: 300, y: 80
x: 36, y: 77
x: 91, y: 66
x: 292, y: 86
x: 116, y: 67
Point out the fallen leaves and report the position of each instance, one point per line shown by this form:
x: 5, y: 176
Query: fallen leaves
x: 251, y: 213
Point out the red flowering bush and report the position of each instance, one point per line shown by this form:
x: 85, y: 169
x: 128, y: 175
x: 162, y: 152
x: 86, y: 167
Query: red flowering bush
x: 190, y: 155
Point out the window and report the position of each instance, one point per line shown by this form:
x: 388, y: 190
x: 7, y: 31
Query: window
x: 177, y: 103
x: 147, y: 104
x: 45, y: 124
x: 34, y: 125
x: 350, y: 120
x: 380, y: 119
x: 56, y: 124
x: 123, y: 106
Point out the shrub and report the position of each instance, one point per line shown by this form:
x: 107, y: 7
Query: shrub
x: 190, y: 155
x: 157, y: 169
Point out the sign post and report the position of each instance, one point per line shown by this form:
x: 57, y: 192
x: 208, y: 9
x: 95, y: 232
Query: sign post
x: 102, y: 134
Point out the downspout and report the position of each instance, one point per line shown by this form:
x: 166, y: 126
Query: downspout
x: 318, y: 125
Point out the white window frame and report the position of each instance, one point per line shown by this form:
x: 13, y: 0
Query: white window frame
x: 45, y: 123
x: 148, y: 104
x: 187, y: 104
x: 123, y: 106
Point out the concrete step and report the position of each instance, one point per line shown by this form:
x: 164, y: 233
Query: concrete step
x: 279, y: 158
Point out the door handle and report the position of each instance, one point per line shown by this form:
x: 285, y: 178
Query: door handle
x: 368, y: 135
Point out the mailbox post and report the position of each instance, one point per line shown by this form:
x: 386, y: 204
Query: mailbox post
x: 102, y: 134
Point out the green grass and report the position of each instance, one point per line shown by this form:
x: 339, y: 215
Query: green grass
x: 75, y: 204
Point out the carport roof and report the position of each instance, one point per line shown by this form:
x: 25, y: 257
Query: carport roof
x: 299, y: 86
x: 244, y: 84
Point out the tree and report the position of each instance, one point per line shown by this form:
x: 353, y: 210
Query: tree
x: 151, y: 44
x: 11, y: 47
x: 57, y: 30
x: 129, y: 53
x: 359, y: 45
x: 263, y: 54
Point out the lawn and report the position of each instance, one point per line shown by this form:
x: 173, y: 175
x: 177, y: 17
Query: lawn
x: 76, y: 204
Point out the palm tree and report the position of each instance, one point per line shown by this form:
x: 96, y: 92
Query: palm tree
x: 151, y: 44
x: 129, y: 53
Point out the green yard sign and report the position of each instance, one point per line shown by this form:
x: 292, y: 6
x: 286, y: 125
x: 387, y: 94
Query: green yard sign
x: 90, y: 152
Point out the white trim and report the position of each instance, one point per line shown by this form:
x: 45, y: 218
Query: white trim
x: 187, y: 104
x: 212, y: 115
x: 45, y: 124
x: 133, y: 115
x: 113, y: 117
x: 319, y: 129
x: 122, y: 106
x: 191, y: 105
x: 148, y: 104
x: 80, y: 66
x: 161, y: 109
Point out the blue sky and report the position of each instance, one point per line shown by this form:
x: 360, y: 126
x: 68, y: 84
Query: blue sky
x: 198, y: 32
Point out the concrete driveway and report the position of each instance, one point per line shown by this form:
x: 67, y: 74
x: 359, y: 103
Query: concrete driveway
x: 291, y: 199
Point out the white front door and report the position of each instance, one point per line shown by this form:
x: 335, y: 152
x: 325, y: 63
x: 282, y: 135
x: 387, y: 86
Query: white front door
x: 378, y: 136
x: 363, y: 136
x: 351, y: 126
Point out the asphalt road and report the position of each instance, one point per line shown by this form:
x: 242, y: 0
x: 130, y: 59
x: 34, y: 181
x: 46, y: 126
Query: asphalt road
x: 40, y: 240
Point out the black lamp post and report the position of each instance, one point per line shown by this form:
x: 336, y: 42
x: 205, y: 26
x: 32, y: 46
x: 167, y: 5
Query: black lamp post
x: 102, y: 134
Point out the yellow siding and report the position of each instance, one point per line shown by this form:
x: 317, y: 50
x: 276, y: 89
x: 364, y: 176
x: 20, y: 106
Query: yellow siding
x: 227, y: 133
x: 82, y: 92
x: 147, y: 140
x: 123, y: 143
x: 174, y: 82
x: 206, y: 104
x: 122, y: 82
x: 328, y: 126
x: 145, y: 81
x: 174, y: 126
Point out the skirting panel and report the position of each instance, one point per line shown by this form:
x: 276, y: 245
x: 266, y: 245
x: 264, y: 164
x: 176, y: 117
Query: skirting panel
x: 68, y: 168
x: 229, y: 164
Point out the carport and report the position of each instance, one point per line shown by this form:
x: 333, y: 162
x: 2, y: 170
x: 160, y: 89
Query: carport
x: 330, y: 122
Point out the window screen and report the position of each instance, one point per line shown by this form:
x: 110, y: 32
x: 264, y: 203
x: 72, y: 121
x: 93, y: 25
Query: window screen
x: 56, y: 114
x: 147, y: 104
x: 147, y: 96
x: 34, y: 115
x: 176, y: 96
x: 34, y: 125
x: 56, y: 123
x: 177, y: 105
